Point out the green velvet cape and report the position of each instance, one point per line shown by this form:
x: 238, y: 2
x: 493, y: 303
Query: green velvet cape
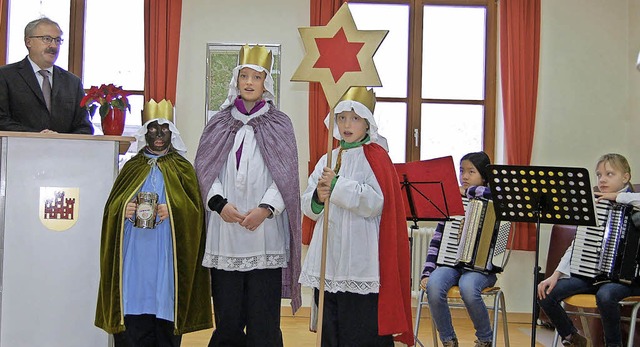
x: 186, y: 214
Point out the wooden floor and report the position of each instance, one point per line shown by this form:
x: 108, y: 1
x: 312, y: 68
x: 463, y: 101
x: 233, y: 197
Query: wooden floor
x: 296, y: 334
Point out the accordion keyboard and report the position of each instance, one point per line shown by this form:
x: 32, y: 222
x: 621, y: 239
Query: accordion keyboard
x: 607, y: 252
x: 451, y: 239
x: 588, y: 244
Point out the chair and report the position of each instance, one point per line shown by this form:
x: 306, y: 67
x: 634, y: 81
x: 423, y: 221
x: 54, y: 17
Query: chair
x: 454, y: 294
x: 560, y: 239
x: 634, y: 302
x: 588, y: 301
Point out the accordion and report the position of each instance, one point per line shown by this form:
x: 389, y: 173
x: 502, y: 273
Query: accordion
x: 609, y: 251
x: 476, y: 241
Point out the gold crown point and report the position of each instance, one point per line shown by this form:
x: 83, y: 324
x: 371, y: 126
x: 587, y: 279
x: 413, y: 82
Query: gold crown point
x: 153, y: 110
x: 362, y: 95
x: 256, y: 55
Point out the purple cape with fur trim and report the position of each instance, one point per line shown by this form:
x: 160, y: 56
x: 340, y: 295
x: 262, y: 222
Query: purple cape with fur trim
x: 275, y: 137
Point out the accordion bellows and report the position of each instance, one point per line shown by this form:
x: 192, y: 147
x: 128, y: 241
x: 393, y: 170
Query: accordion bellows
x: 476, y: 242
x: 607, y: 252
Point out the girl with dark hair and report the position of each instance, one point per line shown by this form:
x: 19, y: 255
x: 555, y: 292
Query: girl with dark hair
x: 438, y: 280
x: 480, y: 161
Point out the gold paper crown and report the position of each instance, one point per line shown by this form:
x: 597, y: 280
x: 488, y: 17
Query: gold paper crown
x: 362, y: 95
x: 153, y: 110
x: 258, y: 55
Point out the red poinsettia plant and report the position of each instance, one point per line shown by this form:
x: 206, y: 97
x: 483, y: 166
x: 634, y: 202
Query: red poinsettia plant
x: 105, y: 97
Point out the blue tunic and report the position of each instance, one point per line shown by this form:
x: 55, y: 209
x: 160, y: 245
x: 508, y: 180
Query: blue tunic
x: 148, y: 281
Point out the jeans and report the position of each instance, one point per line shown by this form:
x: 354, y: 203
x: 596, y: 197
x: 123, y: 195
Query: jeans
x: 607, y: 297
x: 471, y: 284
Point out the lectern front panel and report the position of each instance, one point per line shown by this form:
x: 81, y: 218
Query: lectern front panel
x: 54, y: 192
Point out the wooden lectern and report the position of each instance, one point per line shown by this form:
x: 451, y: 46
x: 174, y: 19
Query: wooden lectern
x: 53, y: 188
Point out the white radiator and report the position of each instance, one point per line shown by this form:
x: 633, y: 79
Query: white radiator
x: 420, y: 247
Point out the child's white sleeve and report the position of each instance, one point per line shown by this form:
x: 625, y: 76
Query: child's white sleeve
x: 273, y: 198
x: 564, y: 266
x: 363, y: 199
x: 312, y: 183
x: 216, y: 189
x: 632, y: 199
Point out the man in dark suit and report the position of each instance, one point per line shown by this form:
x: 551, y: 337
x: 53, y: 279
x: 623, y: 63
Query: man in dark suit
x: 37, y: 96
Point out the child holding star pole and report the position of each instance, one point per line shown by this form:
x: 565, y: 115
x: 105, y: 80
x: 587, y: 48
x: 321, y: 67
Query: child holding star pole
x: 365, y: 281
x: 388, y: 290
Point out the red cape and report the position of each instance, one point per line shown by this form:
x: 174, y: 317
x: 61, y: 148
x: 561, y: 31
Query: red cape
x: 394, y: 300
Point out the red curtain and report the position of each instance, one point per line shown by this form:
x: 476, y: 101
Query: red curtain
x: 519, y: 60
x: 321, y: 13
x: 161, y: 45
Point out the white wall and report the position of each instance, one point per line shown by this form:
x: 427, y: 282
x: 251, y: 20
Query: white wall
x: 584, y: 69
x: 588, y: 99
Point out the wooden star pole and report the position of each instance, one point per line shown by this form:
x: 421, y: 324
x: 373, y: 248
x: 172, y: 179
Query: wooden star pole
x: 339, y: 56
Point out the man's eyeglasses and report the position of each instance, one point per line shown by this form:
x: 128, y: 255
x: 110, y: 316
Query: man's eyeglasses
x: 48, y: 39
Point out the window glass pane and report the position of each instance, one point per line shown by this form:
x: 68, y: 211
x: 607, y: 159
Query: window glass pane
x: 113, y: 51
x: 118, y: 58
x: 391, y: 59
x: 22, y: 12
x: 453, y: 130
x: 391, y: 118
x: 453, y: 52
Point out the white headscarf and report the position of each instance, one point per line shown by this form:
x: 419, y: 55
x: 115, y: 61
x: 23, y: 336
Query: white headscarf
x: 362, y: 111
x: 176, y: 140
x: 233, y: 93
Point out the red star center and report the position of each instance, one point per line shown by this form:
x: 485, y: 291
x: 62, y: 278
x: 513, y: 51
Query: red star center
x: 338, y: 54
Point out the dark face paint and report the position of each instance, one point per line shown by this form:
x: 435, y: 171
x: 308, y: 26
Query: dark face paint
x: 158, y: 137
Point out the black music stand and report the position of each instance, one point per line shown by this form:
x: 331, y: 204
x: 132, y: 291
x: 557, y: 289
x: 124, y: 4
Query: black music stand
x: 542, y: 194
x: 431, y: 190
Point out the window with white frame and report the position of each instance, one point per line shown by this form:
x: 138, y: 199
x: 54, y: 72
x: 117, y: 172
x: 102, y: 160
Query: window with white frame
x: 110, y: 51
x: 437, y: 67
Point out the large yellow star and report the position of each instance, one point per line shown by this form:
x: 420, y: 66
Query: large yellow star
x: 336, y: 63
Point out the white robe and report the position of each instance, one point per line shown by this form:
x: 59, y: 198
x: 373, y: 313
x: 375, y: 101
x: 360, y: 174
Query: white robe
x: 230, y: 246
x: 352, y: 263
